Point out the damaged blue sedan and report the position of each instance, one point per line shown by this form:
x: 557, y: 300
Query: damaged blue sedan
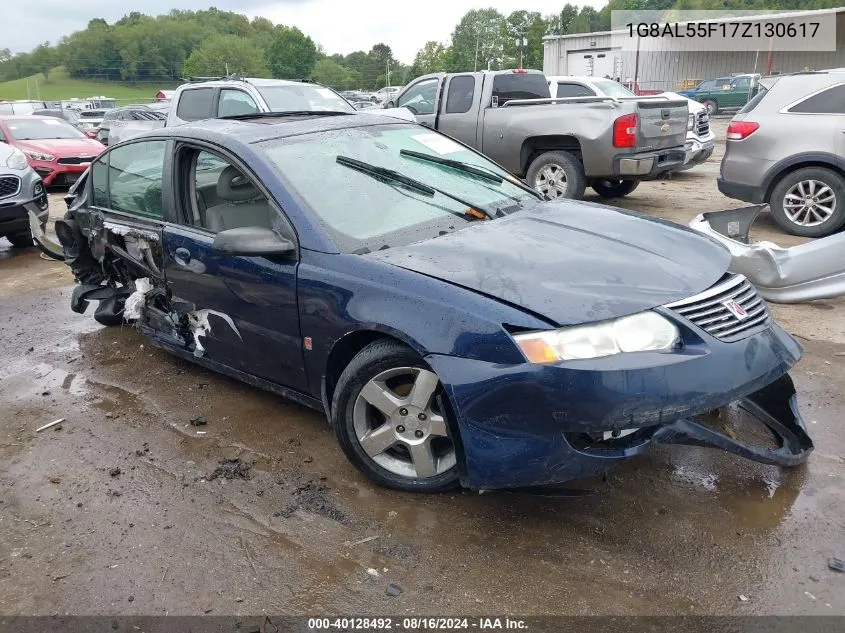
x: 455, y: 328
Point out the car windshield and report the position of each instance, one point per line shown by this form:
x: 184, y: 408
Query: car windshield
x: 363, y: 212
x: 302, y: 97
x: 39, y: 129
x: 612, y: 88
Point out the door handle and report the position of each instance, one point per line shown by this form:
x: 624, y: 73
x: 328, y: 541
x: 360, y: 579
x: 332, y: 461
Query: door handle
x: 182, y: 256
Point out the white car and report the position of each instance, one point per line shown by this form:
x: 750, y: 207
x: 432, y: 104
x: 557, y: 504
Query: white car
x: 700, y: 139
x: 382, y: 95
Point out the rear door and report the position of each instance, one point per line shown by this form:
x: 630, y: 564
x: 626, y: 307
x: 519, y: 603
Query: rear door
x: 245, y: 312
x: 572, y: 89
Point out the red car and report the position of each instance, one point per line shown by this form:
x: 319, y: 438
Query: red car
x: 56, y: 150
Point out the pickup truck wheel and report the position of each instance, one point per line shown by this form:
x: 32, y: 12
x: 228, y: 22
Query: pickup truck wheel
x: 809, y: 202
x: 557, y: 175
x: 614, y: 188
x: 712, y: 106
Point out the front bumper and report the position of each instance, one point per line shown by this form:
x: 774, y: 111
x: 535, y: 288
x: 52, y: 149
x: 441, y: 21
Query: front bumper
x: 14, y: 210
x: 529, y: 425
x: 54, y: 173
x: 697, y: 150
x: 648, y: 164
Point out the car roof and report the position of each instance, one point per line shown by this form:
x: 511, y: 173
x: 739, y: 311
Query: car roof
x: 255, y: 81
x: 265, y: 127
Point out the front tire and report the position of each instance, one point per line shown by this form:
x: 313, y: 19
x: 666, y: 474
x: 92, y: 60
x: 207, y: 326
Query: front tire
x: 557, y: 175
x: 809, y: 202
x: 21, y: 240
x: 614, y: 188
x: 712, y: 106
x: 390, y: 420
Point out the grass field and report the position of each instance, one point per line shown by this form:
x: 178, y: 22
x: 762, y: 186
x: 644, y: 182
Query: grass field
x: 60, y: 86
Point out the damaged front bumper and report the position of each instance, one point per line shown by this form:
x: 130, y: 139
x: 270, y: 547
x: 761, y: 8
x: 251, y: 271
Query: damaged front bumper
x: 815, y: 270
x: 532, y: 425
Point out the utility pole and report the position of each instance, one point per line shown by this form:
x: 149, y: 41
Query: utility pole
x: 388, y: 71
x: 522, y: 41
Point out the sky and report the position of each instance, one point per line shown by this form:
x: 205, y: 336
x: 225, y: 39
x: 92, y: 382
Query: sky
x: 340, y: 26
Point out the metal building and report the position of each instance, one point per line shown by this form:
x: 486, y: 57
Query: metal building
x: 654, y: 68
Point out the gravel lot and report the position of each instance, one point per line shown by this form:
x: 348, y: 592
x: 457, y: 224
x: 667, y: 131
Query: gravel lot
x: 127, y: 509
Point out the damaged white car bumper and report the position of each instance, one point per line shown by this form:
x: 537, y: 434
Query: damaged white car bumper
x: 815, y: 270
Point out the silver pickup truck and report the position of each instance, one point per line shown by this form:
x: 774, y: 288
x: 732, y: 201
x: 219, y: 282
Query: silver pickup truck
x: 559, y: 146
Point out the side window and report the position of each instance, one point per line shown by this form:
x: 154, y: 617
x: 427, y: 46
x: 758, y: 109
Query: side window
x: 573, y: 90
x: 100, y: 182
x: 420, y: 97
x: 224, y: 197
x: 135, y: 178
x: 707, y: 85
x: 234, y: 102
x: 742, y: 83
x: 831, y: 101
x: 459, y: 99
x: 195, y: 104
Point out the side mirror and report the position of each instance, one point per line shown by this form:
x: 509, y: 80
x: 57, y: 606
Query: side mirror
x: 252, y: 241
x: 389, y: 104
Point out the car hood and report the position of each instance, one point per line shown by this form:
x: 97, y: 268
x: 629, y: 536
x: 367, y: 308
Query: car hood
x: 571, y: 262
x: 62, y: 147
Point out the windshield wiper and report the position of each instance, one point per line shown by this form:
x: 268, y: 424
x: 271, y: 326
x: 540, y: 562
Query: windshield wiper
x: 389, y: 175
x: 454, y: 164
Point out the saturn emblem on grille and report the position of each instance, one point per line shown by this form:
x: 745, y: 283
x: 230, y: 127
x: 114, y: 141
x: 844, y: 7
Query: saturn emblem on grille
x: 735, y: 309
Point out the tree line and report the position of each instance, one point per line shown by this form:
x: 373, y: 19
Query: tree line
x: 208, y: 43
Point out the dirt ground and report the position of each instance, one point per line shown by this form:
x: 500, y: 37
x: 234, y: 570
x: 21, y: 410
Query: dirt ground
x: 126, y: 508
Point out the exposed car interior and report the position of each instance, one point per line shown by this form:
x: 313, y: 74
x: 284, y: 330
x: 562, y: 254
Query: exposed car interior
x: 226, y: 198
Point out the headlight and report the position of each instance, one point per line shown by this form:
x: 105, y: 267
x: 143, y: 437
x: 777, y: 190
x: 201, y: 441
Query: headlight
x: 643, y: 332
x: 17, y: 160
x: 40, y: 156
x: 690, y: 121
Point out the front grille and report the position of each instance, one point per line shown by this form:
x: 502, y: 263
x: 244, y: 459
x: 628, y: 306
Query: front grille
x: 75, y: 160
x: 9, y: 186
x: 702, y: 123
x: 708, y: 309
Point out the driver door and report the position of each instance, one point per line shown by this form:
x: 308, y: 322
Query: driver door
x: 421, y: 98
x: 245, y: 311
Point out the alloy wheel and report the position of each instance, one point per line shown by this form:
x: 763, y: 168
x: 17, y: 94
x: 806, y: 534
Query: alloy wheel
x: 399, y: 425
x: 551, y: 181
x: 809, y: 203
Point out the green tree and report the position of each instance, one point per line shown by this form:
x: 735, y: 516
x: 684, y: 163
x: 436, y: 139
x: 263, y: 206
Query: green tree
x: 43, y: 58
x: 329, y: 73
x: 224, y: 54
x: 531, y: 26
x: 478, y: 41
x: 292, y: 54
x: 431, y: 58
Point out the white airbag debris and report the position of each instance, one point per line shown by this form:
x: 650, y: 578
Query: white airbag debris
x: 134, y: 307
x: 198, y: 322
